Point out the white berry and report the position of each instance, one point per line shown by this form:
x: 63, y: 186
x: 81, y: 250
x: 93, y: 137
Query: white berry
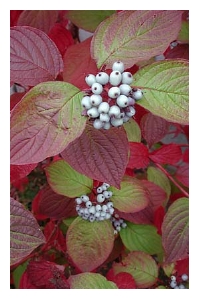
x: 181, y: 286
x: 77, y: 208
x: 93, y: 112
x: 97, y: 214
x: 92, y: 210
x: 123, y: 225
x: 90, y: 79
x: 131, y: 101
x: 184, y: 277
x: 116, y: 223
x: 107, y: 194
x: 102, y: 214
x: 85, y: 102
x: 81, y: 212
x: 118, y: 66
x: 86, y: 212
x: 104, y: 117
x: 126, y: 118
x: 92, y: 218
x: 109, y: 204
x: 114, y: 92
x: 78, y: 201
x: 173, y: 277
x: 100, y: 198
x: 103, y: 107
x: 97, y: 88
x: 122, y: 101
x: 88, y: 204
x: 104, y: 208
x: 95, y: 100
x: 137, y: 95
x: 99, y: 190
x: 116, y: 122
x: 97, y: 124
x: 173, y: 284
x: 114, y: 111
x: 84, y: 198
x: 106, y: 185
x: 102, y: 78
x: 107, y: 125
x: 107, y: 216
x: 98, y: 208
x: 131, y: 111
x: 125, y: 89
x: 118, y: 228
x: 127, y: 78
x: 115, y: 78
x: 111, y: 211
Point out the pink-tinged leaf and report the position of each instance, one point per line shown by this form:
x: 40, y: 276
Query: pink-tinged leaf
x: 139, y: 155
x: 165, y: 86
x: 45, y: 121
x: 34, y: 56
x: 52, y: 205
x: 89, y: 241
x: 123, y: 280
x: 133, y: 36
x: 62, y: 37
x: 20, y: 171
x: 175, y: 231
x: 132, y: 196
x: 47, y: 275
x: 141, y: 266
x: 157, y: 194
x: 167, y: 154
x: 153, y: 128
x: 25, y: 235
x: 99, y: 154
x: 90, y: 281
x: 40, y: 19
x: 64, y: 180
x: 180, y: 51
x: 144, y: 216
x: 182, y: 174
x: 78, y: 63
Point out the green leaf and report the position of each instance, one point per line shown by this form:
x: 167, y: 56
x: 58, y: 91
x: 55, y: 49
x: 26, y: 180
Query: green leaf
x: 90, y: 281
x: 156, y: 176
x: 183, y: 35
x: 141, y: 266
x: 175, y: 230
x: 63, y: 179
x: 165, y: 86
x: 45, y: 121
x: 132, y: 197
x: 88, y: 19
x: 133, y: 36
x: 133, y: 131
x: 89, y: 243
x: 141, y: 237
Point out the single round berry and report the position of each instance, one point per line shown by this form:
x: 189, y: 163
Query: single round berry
x: 181, y: 286
x: 109, y: 204
x: 184, y: 277
x: 125, y: 89
x: 92, y: 210
x: 114, y: 111
x: 111, y: 211
x: 122, y: 101
x: 131, y: 111
x: 173, y: 277
x: 104, y: 208
x: 117, y: 122
x: 81, y: 212
x: 99, y: 190
x: 118, y: 66
x: 116, y: 223
x: 77, y: 208
x: 101, y: 218
x: 100, y: 198
x: 103, y: 107
x: 98, y: 208
x: 90, y: 79
x: 84, y: 198
x: 173, y: 284
x: 137, y: 95
x: 106, y: 125
x: 78, y: 200
x: 88, y: 204
x: 121, y: 115
x: 106, y: 185
x: 97, y: 214
x: 104, y: 117
x: 127, y: 78
x: 97, y: 124
x: 102, y: 78
x: 131, y: 101
x: 114, y: 92
x: 92, y: 218
x: 123, y: 225
x: 121, y: 220
x: 85, y: 102
x: 102, y: 214
x: 108, y: 216
x: 86, y: 212
x: 107, y: 194
x: 126, y: 118
x: 115, y: 78
x: 93, y: 112
x: 95, y: 99
x: 97, y: 88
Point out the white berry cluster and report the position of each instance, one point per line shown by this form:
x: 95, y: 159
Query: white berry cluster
x: 118, y: 223
x: 174, y: 284
x: 110, y: 99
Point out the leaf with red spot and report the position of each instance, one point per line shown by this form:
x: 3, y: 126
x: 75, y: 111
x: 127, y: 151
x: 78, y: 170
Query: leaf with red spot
x: 99, y: 154
x: 78, y: 63
x: 20, y: 171
x: 167, y: 154
x: 25, y: 235
x: 138, y: 155
x: 34, y: 56
x: 153, y: 128
x: 182, y: 174
x: 62, y: 37
x: 123, y: 280
x: 45, y: 121
x: 47, y: 275
x: 49, y: 204
x: 40, y: 19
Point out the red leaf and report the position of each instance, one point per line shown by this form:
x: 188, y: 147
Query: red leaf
x: 34, y: 56
x: 167, y: 154
x: 182, y: 267
x: 140, y: 112
x: 16, y: 98
x: 20, y: 171
x: 158, y: 219
x: 138, y: 155
x: 180, y: 51
x: 40, y: 19
x: 153, y: 128
x: 20, y: 184
x: 47, y: 275
x: 182, y: 174
x: 186, y: 156
x: 25, y: 282
x: 49, y: 204
x: 61, y: 37
x: 100, y: 155
x: 78, y: 63
x: 14, y: 15
x: 123, y: 280
x: 57, y: 240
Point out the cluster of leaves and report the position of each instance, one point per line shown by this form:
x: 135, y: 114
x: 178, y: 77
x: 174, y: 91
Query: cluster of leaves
x: 57, y: 155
